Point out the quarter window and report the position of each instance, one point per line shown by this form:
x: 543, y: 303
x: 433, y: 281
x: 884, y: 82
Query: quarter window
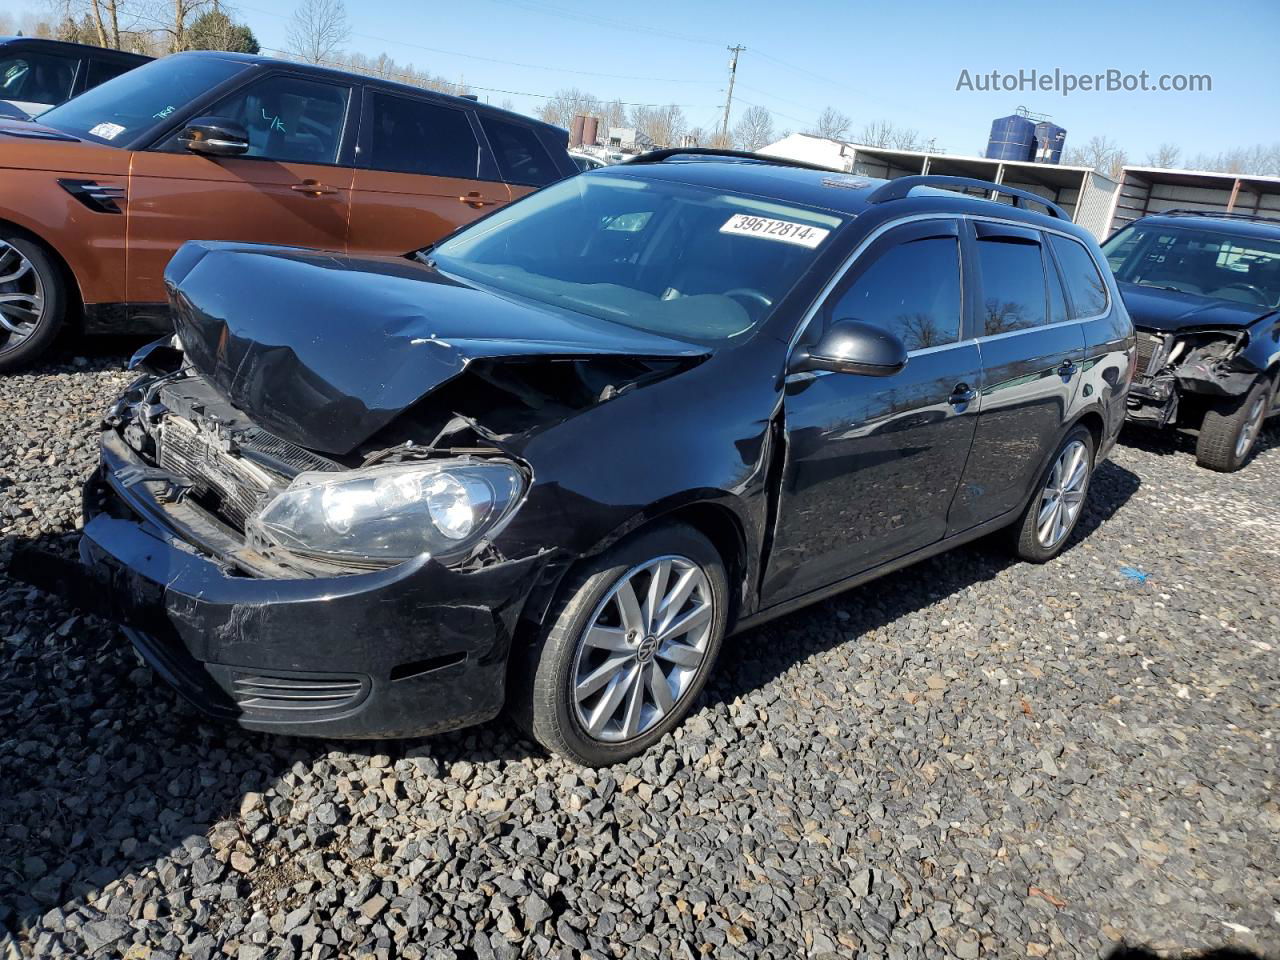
x: 289, y: 119
x: 521, y: 156
x: 1013, y: 287
x: 100, y: 71
x: 416, y: 136
x: 912, y: 290
x: 1085, y: 284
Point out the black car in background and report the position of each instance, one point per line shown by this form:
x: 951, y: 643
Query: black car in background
x: 1203, y: 289
x: 556, y: 459
x: 36, y: 74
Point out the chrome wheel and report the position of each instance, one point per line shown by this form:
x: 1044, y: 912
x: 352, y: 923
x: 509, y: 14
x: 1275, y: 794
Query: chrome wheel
x: 1063, y: 495
x: 21, y: 298
x: 1252, y: 426
x: 642, y: 649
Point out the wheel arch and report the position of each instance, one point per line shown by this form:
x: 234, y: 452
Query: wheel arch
x: 75, y: 313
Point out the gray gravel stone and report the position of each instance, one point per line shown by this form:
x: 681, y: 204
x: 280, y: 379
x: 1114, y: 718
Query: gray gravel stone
x: 970, y: 758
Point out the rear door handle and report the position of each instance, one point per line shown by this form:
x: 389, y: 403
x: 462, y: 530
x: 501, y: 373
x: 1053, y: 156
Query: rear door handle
x: 1068, y: 368
x: 475, y: 200
x: 962, y: 394
x: 313, y: 188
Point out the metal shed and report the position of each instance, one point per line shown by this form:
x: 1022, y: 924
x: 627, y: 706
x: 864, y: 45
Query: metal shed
x: 1145, y: 190
x: 1084, y: 193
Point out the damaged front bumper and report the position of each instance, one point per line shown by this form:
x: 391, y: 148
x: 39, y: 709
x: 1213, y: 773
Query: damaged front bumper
x: 1170, y: 366
x: 405, y: 651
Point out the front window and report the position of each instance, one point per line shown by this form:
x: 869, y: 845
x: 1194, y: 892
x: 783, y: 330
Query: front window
x: 686, y: 261
x: 120, y: 110
x: 1198, y: 261
x: 36, y: 78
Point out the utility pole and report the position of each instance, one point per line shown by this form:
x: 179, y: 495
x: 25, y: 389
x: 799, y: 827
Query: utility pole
x: 728, y: 100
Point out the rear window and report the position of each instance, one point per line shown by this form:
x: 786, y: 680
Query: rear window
x: 415, y: 136
x: 521, y: 156
x: 1085, y: 286
x: 1013, y: 287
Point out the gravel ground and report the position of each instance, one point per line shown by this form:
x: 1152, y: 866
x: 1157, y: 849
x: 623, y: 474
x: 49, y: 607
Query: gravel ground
x: 971, y: 758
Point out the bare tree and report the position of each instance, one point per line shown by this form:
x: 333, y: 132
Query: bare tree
x: 566, y: 104
x: 754, y: 130
x: 663, y: 125
x: 318, y: 30
x: 1165, y: 156
x: 1101, y: 153
x: 884, y: 133
x: 832, y: 124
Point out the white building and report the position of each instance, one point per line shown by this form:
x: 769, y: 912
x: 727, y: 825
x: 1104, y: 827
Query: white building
x: 1082, y: 192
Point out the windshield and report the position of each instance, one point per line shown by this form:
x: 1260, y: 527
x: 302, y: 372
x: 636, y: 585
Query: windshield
x: 691, y: 262
x: 121, y: 109
x: 1198, y: 261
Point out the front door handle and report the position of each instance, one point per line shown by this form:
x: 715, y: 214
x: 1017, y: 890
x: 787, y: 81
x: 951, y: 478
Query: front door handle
x: 1068, y: 368
x: 962, y: 394
x: 473, y: 199
x: 313, y: 188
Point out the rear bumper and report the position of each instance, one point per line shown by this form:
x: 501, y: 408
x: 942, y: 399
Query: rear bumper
x: 411, y: 650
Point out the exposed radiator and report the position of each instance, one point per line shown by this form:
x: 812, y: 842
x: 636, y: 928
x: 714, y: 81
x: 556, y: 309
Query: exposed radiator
x: 239, y: 486
x: 1150, y: 353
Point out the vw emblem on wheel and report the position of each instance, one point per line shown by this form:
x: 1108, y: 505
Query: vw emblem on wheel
x: 648, y: 646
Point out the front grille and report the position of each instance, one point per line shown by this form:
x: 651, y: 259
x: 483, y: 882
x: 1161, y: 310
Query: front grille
x: 263, y: 692
x: 239, y: 486
x: 1150, y: 353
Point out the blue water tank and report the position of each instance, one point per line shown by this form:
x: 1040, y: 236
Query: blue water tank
x: 1012, y: 138
x: 1050, y: 139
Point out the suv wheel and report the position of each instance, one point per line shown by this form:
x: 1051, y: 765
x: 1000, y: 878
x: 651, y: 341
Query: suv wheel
x: 1230, y: 430
x: 1056, y: 506
x: 628, y: 649
x: 33, y: 301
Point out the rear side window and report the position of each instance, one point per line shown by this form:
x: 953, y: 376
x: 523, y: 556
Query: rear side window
x: 415, y: 136
x: 1013, y: 288
x: 521, y: 156
x: 100, y: 71
x: 1087, y: 289
x: 289, y: 119
x: 36, y: 77
x: 912, y: 290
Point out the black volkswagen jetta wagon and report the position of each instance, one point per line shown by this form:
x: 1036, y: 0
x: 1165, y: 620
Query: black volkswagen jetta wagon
x: 556, y: 459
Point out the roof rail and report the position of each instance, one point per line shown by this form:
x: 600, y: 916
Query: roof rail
x: 902, y: 187
x: 658, y: 156
x: 1226, y: 214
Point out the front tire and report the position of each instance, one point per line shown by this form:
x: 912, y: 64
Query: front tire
x: 1230, y: 430
x: 628, y: 648
x: 33, y: 301
x: 1058, y: 502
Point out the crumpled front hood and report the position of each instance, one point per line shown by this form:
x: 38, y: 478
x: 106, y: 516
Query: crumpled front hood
x: 326, y: 350
x: 1171, y: 310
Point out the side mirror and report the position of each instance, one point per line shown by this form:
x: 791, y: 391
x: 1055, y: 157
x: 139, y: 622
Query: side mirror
x: 215, y: 137
x: 850, y: 346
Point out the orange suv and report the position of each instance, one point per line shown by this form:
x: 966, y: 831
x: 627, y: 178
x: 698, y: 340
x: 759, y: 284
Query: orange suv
x: 97, y: 194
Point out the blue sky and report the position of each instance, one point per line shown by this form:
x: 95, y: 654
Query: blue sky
x: 872, y: 61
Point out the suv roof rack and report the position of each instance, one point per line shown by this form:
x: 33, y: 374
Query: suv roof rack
x: 1220, y: 214
x: 902, y: 187
x: 712, y: 153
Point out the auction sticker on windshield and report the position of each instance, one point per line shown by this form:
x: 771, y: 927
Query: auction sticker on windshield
x: 107, y: 131
x: 747, y: 225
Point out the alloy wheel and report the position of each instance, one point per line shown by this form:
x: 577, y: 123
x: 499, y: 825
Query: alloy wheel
x: 642, y: 649
x: 22, y: 299
x: 1252, y: 426
x: 1063, y: 496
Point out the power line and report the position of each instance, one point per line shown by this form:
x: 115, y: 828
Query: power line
x: 414, y: 80
x: 509, y: 63
x: 533, y: 6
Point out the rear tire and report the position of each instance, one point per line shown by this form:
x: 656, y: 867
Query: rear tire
x: 1058, y: 502
x: 33, y: 301
x: 1230, y: 430
x: 590, y: 689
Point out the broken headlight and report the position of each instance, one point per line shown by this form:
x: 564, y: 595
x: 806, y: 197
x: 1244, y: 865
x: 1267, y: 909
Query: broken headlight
x: 391, y: 513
